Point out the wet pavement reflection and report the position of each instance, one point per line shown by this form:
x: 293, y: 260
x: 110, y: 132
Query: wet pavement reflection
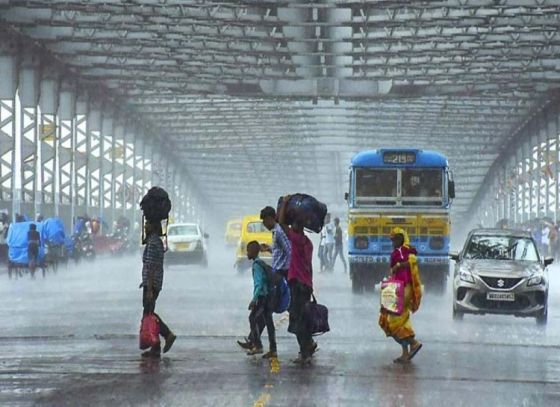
x: 70, y: 339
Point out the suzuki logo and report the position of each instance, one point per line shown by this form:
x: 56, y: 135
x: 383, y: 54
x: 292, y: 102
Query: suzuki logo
x: 501, y: 283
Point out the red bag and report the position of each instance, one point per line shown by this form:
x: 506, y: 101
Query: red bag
x: 149, y: 331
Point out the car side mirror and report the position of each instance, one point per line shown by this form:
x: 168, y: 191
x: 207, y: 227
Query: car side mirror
x: 548, y: 261
x: 206, y: 235
x: 346, y: 196
x: 454, y: 256
x: 451, y: 189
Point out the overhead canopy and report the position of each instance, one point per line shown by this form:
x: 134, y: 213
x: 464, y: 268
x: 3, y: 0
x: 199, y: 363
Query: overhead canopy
x: 266, y: 97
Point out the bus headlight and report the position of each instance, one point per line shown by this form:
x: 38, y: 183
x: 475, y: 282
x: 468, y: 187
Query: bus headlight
x: 361, y: 243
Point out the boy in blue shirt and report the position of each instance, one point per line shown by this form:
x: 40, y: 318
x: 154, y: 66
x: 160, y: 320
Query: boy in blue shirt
x: 259, y: 306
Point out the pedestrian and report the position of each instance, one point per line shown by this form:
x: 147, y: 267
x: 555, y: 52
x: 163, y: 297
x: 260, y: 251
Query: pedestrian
x: 281, y: 253
x: 338, y: 247
x: 553, y: 238
x: 322, y: 252
x: 281, y: 248
x: 152, y: 281
x: 261, y: 312
x: 33, y: 244
x: 545, y: 238
x: 404, y: 267
x: 329, y: 242
x: 3, y: 236
x: 300, y: 280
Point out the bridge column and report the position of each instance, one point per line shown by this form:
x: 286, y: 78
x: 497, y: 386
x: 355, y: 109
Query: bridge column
x: 28, y: 86
x: 106, y: 167
x: 82, y: 156
x: 49, y: 136
x: 67, y: 148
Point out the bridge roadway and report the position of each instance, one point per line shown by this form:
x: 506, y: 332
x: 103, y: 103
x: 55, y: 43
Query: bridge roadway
x: 70, y: 339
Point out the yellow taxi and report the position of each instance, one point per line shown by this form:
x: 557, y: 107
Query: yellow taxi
x: 252, y: 228
x: 233, y: 232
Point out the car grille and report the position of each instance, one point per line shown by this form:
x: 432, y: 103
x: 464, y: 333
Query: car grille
x: 501, y: 283
x: 480, y: 301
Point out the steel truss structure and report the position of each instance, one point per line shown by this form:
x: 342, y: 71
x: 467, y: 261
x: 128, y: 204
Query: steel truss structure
x: 524, y: 183
x: 259, y: 98
x: 77, y: 152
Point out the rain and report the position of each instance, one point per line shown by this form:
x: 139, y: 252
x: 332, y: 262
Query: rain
x: 296, y: 203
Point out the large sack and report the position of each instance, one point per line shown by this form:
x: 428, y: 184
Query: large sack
x: 17, y: 242
x: 307, y: 208
x: 156, y: 205
x: 53, y: 231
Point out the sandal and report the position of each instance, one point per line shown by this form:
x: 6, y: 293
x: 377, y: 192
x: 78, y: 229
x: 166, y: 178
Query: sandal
x: 414, y: 351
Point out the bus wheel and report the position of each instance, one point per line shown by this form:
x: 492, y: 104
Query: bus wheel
x: 370, y: 279
x: 356, y: 277
x: 356, y: 285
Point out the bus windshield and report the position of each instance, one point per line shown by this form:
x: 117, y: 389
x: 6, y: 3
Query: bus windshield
x: 376, y: 186
x: 399, y: 186
x: 422, y: 186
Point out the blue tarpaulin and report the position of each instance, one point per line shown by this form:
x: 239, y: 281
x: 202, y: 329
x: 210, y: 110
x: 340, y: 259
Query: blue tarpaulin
x: 17, y: 242
x: 53, y: 231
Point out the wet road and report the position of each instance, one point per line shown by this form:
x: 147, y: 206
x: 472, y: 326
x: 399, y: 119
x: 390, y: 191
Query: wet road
x: 71, y: 340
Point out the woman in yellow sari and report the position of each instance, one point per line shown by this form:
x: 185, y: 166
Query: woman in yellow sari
x: 404, y: 267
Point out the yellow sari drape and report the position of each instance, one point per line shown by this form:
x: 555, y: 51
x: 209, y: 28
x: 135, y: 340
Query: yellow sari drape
x: 400, y: 326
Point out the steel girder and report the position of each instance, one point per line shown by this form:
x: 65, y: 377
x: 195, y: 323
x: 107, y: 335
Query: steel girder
x: 523, y: 183
x: 459, y: 75
x: 8, y: 88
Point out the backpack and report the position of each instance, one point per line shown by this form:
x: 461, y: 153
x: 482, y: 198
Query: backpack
x: 156, y: 205
x: 279, y: 297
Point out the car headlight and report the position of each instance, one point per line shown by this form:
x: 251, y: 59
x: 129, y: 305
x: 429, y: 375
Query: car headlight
x: 466, y: 276
x: 535, y: 280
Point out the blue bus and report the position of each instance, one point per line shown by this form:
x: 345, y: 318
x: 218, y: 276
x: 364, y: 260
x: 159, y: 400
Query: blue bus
x: 408, y: 188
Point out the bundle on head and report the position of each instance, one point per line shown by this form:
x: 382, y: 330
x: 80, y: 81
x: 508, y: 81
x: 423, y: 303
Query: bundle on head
x: 307, y: 210
x: 156, y: 205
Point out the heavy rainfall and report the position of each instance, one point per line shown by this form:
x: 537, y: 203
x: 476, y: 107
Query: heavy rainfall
x: 279, y: 203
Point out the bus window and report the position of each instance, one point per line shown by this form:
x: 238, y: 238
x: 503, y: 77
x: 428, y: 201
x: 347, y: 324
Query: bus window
x: 376, y: 183
x: 422, y: 183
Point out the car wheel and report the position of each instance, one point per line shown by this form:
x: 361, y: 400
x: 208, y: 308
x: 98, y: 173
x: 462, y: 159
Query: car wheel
x: 457, y: 315
x: 542, y: 318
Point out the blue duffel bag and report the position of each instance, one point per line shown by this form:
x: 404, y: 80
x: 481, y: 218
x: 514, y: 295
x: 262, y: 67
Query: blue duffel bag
x: 310, y: 210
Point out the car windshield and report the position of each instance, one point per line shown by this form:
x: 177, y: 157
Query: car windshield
x: 183, y: 230
x: 256, y: 227
x: 501, y: 248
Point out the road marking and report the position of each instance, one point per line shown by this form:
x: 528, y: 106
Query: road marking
x: 262, y: 400
x: 285, y: 317
x: 274, y: 366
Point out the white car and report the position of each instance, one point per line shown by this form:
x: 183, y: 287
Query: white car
x: 186, y: 244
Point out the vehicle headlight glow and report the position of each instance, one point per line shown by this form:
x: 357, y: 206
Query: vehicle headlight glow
x: 466, y: 275
x: 535, y: 280
x: 361, y: 243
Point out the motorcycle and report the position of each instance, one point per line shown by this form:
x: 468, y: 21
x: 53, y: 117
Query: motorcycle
x: 83, y: 247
